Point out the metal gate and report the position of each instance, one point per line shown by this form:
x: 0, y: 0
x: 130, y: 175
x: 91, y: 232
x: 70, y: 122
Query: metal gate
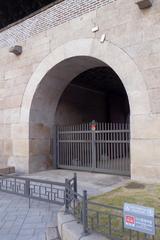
x: 97, y: 147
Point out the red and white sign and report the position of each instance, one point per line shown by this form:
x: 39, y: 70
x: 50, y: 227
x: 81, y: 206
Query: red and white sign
x: 93, y: 126
x: 130, y: 220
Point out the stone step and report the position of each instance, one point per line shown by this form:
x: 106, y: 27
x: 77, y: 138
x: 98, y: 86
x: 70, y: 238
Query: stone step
x: 6, y: 170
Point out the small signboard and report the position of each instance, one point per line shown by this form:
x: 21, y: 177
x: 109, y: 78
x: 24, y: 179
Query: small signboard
x: 93, y: 125
x: 139, y: 218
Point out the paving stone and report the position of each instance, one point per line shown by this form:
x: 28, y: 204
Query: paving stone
x: 18, y: 222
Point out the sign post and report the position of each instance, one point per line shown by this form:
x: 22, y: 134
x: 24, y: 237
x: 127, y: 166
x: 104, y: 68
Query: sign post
x: 139, y: 218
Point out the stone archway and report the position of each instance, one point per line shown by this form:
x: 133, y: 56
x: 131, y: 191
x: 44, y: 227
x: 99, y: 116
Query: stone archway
x: 68, y: 59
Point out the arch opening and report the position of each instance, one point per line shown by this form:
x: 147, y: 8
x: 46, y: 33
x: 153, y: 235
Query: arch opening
x: 75, y: 92
x: 96, y: 94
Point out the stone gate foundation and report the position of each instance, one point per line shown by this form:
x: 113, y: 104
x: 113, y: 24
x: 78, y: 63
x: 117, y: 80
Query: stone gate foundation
x: 58, y: 45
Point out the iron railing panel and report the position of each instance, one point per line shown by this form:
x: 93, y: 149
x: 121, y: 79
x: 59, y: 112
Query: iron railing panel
x: 104, y: 149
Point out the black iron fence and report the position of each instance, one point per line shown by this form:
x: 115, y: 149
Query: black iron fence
x: 42, y: 190
x: 109, y: 221
x: 95, y: 217
x: 100, y: 147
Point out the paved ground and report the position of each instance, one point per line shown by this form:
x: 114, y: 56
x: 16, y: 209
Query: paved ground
x: 18, y: 222
x: 94, y: 183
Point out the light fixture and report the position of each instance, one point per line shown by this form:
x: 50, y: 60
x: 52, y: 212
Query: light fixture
x: 103, y: 37
x: 95, y: 29
x: 142, y: 4
x: 17, y: 50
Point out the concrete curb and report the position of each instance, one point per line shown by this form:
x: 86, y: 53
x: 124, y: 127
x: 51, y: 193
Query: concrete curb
x: 69, y: 229
x: 51, y: 233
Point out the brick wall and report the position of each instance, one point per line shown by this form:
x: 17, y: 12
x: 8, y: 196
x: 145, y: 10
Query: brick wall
x: 54, y: 16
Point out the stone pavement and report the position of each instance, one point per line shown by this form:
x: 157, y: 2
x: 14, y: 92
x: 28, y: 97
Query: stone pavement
x: 94, y: 183
x: 18, y: 222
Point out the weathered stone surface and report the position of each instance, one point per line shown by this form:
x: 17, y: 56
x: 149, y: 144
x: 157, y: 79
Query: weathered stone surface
x: 30, y: 88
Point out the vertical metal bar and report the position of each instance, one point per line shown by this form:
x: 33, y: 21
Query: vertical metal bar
x: 70, y: 142
x: 108, y: 146
x: 122, y: 162
x: 75, y: 184
x: 66, y: 196
x: 82, y: 164
x: 62, y: 152
x: 110, y: 225
x: 57, y: 146
x: 102, y: 137
x: 27, y: 190
x: 130, y: 234
x: 54, y: 153
x: 82, y: 129
x: 80, y: 145
x: 71, y: 137
x: 114, y: 157
x: 67, y: 141
x: 111, y: 139
x: 75, y: 148
x: 61, y: 146
x: 117, y: 148
x: 100, y: 142
x: 67, y: 150
x: 93, y: 151
x: 85, y: 213
x: 90, y: 146
x: 15, y: 185
x: 97, y: 145
x: 105, y: 146
x: 125, y: 143
x: 83, y: 144
x: 64, y: 143
x: 77, y: 145
x: 87, y: 144
x: 91, y: 161
x: 104, y: 150
x: 102, y: 154
x: 120, y: 152
x: 129, y: 147
x: 122, y: 139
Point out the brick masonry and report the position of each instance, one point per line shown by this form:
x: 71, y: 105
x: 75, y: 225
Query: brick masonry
x: 52, y: 17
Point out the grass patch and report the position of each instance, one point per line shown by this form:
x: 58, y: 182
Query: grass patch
x: 143, y: 194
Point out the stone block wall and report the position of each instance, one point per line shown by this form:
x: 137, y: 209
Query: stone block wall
x: 133, y: 32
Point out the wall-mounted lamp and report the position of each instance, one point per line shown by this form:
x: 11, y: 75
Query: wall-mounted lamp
x: 103, y: 37
x: 17, y: 50
x: 95, y: 29
x: 142, y: 4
